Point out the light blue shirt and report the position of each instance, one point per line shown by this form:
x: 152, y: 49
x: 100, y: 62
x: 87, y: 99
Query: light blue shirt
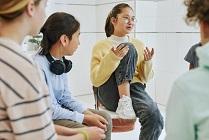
x: 64, y: 105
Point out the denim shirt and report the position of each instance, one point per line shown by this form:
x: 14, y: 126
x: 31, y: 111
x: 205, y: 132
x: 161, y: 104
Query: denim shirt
x: 64, y: 105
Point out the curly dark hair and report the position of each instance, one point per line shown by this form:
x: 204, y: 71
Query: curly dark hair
x: 197, y: 10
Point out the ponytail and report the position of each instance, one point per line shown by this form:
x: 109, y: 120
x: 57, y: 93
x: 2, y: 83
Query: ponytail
x: 44, y: 43
x: 109, y: 28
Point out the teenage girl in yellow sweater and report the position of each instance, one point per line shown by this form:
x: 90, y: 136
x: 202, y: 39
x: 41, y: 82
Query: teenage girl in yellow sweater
x: 119, y: 73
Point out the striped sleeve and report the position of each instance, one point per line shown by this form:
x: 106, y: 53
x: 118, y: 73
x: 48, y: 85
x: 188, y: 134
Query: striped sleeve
x: 25, y: 113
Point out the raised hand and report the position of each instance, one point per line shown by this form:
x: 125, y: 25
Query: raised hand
x: 148, y: 54
x: 121, y: 50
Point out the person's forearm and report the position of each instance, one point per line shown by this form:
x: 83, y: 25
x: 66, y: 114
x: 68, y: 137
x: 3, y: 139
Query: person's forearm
x: 64, y: 131
x: 75, y: 137
x: 88, y: 111
x: 60, y: 113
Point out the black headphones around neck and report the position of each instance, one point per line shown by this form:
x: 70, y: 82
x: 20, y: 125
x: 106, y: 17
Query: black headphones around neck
x: 59, y: 67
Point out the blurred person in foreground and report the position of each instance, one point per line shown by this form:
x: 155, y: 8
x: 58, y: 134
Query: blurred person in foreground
x: 187, y: 115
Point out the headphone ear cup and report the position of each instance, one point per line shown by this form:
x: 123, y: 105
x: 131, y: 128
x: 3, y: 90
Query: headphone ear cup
x: 57, y: 67
x: 68, y: 65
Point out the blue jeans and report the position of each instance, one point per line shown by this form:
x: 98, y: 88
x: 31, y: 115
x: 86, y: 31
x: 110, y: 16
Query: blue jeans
x: 145, y: 108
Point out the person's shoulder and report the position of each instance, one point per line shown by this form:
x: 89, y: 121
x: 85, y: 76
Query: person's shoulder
x: 191, y: 55
x: 40, y: 60
x: 181, y: 86
x: 102, y: 42
x: 193, y: 48
x: 192, y: 87
x: 136, y: 41
x: 192, y: 79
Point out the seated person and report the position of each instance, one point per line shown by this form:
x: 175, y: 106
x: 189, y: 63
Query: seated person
x: 60, y: 38
x: 24, y: 110
x: 120, y: 73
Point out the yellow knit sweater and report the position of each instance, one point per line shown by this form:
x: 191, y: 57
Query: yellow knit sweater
x: 104, y: 62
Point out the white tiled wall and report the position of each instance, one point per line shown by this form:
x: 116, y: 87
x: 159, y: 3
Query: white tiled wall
x: 174, y: 38
x: 146, y: 16
x: 114, y: 2
x: 160, y: 25
x: 84, y: 13
x: 71, y: 2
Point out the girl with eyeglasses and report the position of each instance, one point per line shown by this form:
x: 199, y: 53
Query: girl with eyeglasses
x: 120, y: 69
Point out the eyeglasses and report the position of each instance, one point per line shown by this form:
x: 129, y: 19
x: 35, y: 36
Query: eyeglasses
x: 128, y: 19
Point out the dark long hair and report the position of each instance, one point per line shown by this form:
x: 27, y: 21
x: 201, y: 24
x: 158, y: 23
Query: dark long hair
x: 109, y: 28
x: 56, y: 25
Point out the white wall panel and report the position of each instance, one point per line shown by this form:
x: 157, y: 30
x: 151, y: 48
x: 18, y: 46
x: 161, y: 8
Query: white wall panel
x: 146, y: 16
x: 164, y: 81
x: 84, y: 13
x: 79, y: 76
x: 170, y: 52
x: 114, y: 2
x: 171, y: 17
x: 79, y: 2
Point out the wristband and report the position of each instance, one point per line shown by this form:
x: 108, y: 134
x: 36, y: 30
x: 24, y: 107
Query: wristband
x: 84, y: 134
